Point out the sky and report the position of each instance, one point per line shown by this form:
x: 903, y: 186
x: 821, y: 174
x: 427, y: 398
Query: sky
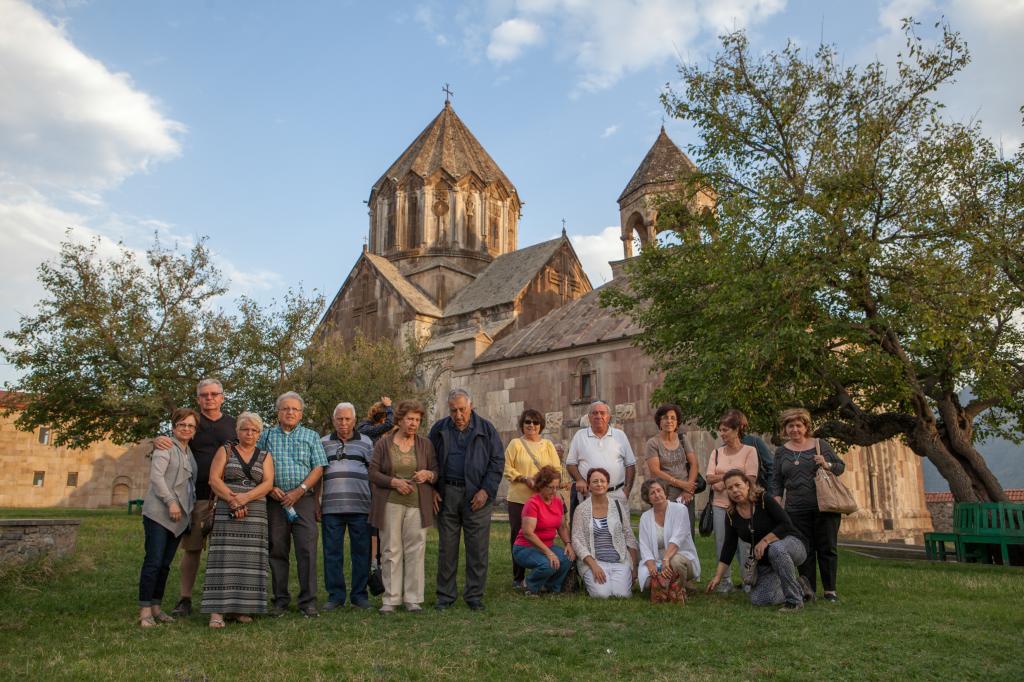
x: 262, y: 125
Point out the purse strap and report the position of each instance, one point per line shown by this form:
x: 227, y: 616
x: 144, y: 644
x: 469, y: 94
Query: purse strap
x: 530, y: 453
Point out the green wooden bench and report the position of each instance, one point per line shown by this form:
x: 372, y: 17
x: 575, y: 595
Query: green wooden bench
x: 133, y: 503
x: 977, y: 526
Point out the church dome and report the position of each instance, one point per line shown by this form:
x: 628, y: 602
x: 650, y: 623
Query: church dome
x: 444, y: 195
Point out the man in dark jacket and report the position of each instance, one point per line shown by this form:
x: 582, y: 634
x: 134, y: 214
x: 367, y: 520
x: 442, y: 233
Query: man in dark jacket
x: 471, y: 460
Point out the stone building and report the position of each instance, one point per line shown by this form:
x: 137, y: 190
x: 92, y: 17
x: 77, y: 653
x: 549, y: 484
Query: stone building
x: 36, y: 473
x: 523, y: 327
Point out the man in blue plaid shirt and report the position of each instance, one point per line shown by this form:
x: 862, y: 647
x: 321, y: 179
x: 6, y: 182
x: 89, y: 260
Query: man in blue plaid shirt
x: 299, y: 459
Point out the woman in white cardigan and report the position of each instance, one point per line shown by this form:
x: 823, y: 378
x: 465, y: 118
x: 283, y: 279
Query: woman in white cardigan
x: 666, y: 544
x: 602, y: 536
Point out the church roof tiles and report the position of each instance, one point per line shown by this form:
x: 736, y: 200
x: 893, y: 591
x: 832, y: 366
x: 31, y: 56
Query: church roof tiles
x: 446, y: 144
x: 413, y: 296
x: 664, y: 163
x: 579, y: 323
x: 503, y: 279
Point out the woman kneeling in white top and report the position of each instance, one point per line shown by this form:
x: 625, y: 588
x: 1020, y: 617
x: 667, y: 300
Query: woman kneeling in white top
x: 666, y: 545
x: 604, y: 542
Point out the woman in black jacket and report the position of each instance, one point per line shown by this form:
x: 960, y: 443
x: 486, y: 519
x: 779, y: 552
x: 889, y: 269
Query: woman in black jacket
x: 778, y: 547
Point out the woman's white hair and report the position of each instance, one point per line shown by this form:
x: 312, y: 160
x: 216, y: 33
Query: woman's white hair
x: 251, y: 417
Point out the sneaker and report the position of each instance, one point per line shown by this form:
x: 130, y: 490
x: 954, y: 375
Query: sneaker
x: 443, y: 605
x: 361, y: 604
x: 331, y: 606
x: 518, y: 585
x: 808, y: 591
x: 724, y: 588
x: 183, y: 607
x: 530, y: 593
x: 310, y: 612
x: 790, y: 608
x: 831, y: 597
x: 413, y: 608
x: 475, y: 605
x: 387, y: 609
x: 278, y: 611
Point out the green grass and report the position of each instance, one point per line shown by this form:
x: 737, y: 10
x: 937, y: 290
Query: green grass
x: 907, y: 620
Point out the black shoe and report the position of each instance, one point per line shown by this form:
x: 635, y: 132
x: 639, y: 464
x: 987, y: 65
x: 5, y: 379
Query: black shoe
x: 805, y: 586
x: 475, y: 605
x: 278, y: 611
x: 442, y: 605
x: 831, y: 597
x: 183, y: 608
x: 310, y: 612
x: 332, y: 605
x: 790, y: 608
x: 361, y: 604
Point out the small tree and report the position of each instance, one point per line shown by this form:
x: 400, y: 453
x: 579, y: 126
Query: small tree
x: 864, y: 258
x: 359, y: 374
x: 117, y: 343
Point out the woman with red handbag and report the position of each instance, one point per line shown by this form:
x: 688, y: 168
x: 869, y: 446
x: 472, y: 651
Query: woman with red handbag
x: 668, y: 557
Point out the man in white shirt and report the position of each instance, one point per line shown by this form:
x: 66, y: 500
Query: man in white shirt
x: 604, y: 447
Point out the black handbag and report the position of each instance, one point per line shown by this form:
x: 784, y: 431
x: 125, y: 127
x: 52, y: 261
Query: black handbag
x: 701, y: 483
x: 706, y: 525
x: 571, y: 583
x: 375, y: 583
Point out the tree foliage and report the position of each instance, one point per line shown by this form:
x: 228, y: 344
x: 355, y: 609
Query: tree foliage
x: 864, y: 257
x: 117, y: 343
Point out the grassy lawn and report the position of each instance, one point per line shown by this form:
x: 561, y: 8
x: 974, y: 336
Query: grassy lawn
x: 897, y: 620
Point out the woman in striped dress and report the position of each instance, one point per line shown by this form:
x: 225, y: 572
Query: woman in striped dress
x: 236, y: 566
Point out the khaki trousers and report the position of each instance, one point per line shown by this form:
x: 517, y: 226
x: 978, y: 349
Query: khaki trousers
x: 403, y: 541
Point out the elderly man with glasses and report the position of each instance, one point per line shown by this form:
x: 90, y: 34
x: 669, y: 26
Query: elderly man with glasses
x: 299, y: 459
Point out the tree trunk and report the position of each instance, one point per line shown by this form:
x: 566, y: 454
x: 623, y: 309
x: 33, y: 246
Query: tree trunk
x: 956, y: 435
x: 969, y: 478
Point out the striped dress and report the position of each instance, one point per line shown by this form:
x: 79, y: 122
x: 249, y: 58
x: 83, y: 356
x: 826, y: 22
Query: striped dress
x: 236, y: 565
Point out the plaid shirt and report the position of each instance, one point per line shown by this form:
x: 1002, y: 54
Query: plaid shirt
x: 295, y: 454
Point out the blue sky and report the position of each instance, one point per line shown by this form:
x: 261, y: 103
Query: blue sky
x: 262, y: 125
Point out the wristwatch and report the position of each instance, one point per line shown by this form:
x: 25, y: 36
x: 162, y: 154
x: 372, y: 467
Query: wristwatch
x: 304, y: 487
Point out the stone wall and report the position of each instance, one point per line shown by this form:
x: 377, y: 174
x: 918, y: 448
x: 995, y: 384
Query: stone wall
x: 942, y: 515
x: 101, y: 475
x: 23, y: 540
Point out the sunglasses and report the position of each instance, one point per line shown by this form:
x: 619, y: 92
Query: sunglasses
x: 530, y: 422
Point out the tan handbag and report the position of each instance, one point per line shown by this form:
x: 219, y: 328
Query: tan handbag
x: 833, y: 496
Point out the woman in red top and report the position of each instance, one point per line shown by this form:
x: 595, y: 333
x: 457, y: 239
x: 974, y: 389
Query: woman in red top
x: 534, y: 548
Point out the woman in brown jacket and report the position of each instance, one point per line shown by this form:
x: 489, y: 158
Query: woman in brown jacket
x: 402, y: 473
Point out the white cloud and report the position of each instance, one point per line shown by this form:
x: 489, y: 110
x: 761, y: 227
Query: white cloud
x: 604, y: 39
x: 510, y: 37
x: 67, y: 120
x: 991, y: 88
x: 596, y: 250
x: 610, y: 130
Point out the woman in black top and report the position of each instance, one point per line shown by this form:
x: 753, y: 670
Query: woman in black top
x: 796, y: 463
x: 778, y: 547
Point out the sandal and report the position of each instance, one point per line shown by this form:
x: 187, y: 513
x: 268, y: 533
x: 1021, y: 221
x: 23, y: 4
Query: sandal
x: 147, y: 622
x: 217, y: 623
x: 163, y: 617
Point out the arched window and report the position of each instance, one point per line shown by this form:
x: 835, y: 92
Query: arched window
x: 584, y: 382
x: 412, y: 220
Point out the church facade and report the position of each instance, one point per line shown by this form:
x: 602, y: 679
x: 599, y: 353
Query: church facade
x: 524, y: 328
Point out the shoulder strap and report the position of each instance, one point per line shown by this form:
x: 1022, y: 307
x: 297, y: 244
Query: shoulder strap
x: 247, y: 468
x: 618, y: 508
x: 530, y: 453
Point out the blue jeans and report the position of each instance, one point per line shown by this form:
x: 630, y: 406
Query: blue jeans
x: 541, y: 574
x: 333, y: 527
x: 160, y: 548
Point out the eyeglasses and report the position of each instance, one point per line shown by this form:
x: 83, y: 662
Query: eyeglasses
x: 530, y: 422
x: 185, y: 425
x: 210, y: 395
x: 290, y: 409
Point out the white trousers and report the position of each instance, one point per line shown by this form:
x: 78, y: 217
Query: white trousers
x: 403, y: 541
x: 619, y: 582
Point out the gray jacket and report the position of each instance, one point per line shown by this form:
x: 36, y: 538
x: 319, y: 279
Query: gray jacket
x: 172, y: 478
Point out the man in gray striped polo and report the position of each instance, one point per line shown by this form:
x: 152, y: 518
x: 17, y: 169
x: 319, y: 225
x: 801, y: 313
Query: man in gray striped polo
x: 345, y: 504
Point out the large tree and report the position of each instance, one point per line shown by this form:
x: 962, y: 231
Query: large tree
x: 116, y: 343
x: 864, y: 259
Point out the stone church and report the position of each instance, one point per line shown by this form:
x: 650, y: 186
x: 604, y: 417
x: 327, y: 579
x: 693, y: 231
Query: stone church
x: 522, y: 327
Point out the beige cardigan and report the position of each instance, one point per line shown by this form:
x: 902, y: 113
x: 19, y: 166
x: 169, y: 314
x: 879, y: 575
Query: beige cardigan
x: 583, y: 531
x: 172, y: 478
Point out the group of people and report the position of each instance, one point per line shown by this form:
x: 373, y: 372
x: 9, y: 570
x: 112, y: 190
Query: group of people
x: 255, y: 495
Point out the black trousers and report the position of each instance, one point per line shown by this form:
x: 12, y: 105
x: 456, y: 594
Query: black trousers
x: 454, y: 520
x: 303, y: 531
x: 821, y: 529
x: 515, y: 522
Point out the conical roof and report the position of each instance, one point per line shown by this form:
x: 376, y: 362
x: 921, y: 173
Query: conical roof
x: 446, y: 144
x: 664, y: 162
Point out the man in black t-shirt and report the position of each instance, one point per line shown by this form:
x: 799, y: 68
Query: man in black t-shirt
x: 215, y: 429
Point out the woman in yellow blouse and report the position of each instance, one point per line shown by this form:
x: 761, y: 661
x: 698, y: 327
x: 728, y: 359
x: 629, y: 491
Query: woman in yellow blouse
x: 524, y: 458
